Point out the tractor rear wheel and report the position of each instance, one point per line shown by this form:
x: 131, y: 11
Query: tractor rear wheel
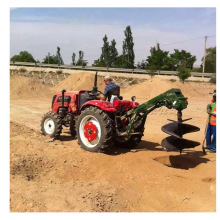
x: 51, y: 125
x: 94, y: 129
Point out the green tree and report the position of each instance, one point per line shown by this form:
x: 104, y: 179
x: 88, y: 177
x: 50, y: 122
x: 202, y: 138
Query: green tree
x: 210, y: 60
x: 113, y: 54
x: 51, y: 59
x: 23, y: 56
x: 158, y: 58
x: 81, y: 61
x: 128, y: 49
x: 73, y: 59
x: 98, y: 63
x: 119, y: 61
x: 109, y: 55
x: 179, y: 57
x: 183, y: 72
x: 105, y: 56
x: 59, y: 57
x: 197, y: 69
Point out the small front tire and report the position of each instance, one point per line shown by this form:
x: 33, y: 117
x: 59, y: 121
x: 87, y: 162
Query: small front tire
x: 51, y: 125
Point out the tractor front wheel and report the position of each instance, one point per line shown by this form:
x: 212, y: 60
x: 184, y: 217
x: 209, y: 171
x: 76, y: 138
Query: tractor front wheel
x: 51, y: 125
x: 94, y: 129
x: 73, y: 126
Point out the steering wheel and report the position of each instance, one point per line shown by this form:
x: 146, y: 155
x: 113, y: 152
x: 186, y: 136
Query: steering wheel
x: 92, y: 94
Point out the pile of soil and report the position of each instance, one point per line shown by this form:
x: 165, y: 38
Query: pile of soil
x: 24, y: 88
x: 155, y: 86
x: 80, y: 81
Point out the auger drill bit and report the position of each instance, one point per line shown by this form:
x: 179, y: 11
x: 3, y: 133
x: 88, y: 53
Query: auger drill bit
x: 177, y: 129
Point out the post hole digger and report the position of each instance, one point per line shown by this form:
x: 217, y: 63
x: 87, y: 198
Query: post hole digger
x: 98, y: 124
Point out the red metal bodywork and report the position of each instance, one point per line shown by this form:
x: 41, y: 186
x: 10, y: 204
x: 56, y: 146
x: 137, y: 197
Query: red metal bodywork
x: 125, y: 105
x: 105, y: 106
x: 72, y: 106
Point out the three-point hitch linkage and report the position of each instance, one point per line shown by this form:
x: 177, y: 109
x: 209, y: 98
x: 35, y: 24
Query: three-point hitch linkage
x: 172, y: 99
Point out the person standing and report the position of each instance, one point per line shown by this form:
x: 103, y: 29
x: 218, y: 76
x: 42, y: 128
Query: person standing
x: 211, y: 129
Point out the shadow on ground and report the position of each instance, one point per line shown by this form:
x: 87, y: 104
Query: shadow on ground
x: 143, y: 146
x: 66, y: 138
x: 187, y: 160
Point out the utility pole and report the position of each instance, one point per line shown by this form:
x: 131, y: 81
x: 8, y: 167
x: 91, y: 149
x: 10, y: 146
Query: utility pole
x: 203, y: 70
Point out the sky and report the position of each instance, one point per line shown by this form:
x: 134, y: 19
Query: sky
x: 41, y: 30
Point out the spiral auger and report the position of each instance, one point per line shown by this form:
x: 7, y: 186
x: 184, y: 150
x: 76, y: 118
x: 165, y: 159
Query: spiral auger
x: 177, y: 129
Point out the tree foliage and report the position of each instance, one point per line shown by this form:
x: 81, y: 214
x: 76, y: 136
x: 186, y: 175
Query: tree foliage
x: 23, y: 56
x: 183, y: 72
x: 109, y: 55
x: 128, y: 49
x: 158, y: 58
x: 73, y: 59
x: 179, y: 58
x: 81, y: 61
x: 113, y: 54
x: 51, y: 59
x: 54, y: 59
x: 105, y: 56
x: 59, y: 57
x: 161, y: 60
x: 210, y: 60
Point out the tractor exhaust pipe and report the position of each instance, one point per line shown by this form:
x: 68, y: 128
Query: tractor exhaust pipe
x: 63, y: 91
x: 95, y: 89
x: 62, y: 109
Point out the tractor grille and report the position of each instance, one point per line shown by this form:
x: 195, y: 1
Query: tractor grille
x: 66, y: 99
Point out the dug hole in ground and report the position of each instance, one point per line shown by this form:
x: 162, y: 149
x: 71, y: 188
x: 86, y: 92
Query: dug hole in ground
x: 58, y: 176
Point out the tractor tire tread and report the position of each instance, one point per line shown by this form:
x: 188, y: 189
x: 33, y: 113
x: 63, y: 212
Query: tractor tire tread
x: 58, y: 122
x: 107, y: 137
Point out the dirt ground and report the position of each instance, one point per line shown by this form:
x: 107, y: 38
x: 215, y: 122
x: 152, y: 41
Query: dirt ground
x: 58, y: 176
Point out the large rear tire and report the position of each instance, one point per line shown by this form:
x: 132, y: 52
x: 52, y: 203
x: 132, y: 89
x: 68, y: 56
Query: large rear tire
x: 94, y: 129
x: 51, y: 125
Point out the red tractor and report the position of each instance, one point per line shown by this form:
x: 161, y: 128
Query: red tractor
x: 98, y: 124
x: 91, y: 120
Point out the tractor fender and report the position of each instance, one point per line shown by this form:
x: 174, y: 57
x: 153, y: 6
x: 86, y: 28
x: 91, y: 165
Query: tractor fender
x: 105, y: 106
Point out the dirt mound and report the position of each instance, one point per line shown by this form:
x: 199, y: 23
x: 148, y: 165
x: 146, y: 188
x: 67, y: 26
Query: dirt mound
x: 24, y: 87
x: 80, y: 81
x: 156, y: 86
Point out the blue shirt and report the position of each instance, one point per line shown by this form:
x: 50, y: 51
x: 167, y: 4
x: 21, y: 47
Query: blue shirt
x: 111, y: 89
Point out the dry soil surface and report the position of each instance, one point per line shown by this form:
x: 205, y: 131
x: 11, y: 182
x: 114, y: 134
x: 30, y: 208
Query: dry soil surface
x: 58, y: 176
